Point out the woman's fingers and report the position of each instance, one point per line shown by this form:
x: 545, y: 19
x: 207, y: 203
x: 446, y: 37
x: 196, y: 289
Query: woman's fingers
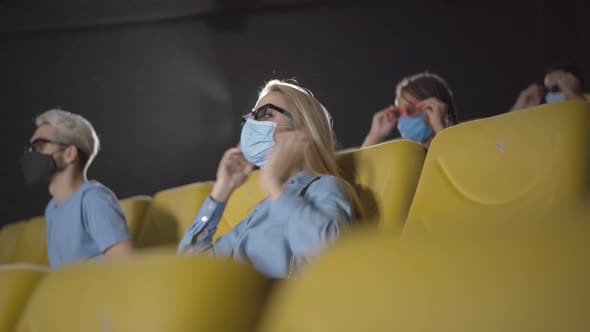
x: 432, y: 105
x: 232, y: 151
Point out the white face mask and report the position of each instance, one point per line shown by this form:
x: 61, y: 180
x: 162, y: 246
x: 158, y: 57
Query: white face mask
x: 256, y: 140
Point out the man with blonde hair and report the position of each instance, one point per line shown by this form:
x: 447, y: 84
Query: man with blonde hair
x: 84, y: 218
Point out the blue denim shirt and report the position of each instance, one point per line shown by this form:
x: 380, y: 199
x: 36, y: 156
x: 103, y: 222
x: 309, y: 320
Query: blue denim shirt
x: 301, y: 222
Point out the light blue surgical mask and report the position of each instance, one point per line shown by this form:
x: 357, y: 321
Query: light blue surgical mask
x: 256, y: 140
x: 414, y: 129
x: 553, y: 97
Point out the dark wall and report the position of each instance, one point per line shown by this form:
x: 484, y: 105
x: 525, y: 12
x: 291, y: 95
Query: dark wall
x: 166, y: 97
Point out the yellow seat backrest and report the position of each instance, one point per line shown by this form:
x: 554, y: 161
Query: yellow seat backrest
x: 515, y: 167
x: 385, y: 177
x: 171, y: 213
x: 24, y: 242
x: 241, y: 204
x: 148, y: 292
x: 135, y: 209
x: 17, y: 282
x: 485, y: 280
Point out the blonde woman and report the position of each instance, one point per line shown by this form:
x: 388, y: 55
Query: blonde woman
x: 289, y: 135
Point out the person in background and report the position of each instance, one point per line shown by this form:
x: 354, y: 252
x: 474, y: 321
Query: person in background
x: 562, y: 82
x: 424, y: 106
x: 84, y: 219
x: 289, y: 136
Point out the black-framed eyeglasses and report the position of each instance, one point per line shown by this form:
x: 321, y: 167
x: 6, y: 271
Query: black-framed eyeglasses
x: 37, y: 144
x: 263, y: 113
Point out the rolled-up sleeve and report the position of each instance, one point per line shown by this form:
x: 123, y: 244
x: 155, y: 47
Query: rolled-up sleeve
x: 206, y: 221
x: 315, y: 220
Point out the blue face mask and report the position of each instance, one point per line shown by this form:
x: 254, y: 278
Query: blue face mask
x: 553, y: 97
x: 256, y: 141
x: 414, y: 129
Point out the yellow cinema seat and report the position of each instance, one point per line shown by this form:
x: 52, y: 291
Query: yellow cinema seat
x: 148, y: 292
x: 517, y: 167
x: 171, y: 213
x: 385, y: 177
x: 241, y: 204
x: 517, y: 280
x: 135, y: 209
x: 17, y: 282
x: 24, y: 242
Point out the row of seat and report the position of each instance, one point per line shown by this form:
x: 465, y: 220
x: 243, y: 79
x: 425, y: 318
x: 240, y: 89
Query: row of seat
x: 497, y: 279
x: 474, y: 279
x: 522, y: 166
x: 385, y: 177
x: 513, y: 169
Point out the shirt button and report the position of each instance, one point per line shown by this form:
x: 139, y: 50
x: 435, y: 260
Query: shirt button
x: 204, y: 219
x: 210, y: 206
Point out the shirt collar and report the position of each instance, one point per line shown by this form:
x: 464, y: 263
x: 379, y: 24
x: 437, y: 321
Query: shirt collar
x: 302, y: 178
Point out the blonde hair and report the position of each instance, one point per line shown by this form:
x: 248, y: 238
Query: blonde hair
x: 72, y: 129
x: 314, y: 119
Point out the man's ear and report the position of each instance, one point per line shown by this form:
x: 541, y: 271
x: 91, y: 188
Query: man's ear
x: 71, y: 153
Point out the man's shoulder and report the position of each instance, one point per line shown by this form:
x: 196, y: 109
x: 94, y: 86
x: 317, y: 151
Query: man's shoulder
x: 94, y: 190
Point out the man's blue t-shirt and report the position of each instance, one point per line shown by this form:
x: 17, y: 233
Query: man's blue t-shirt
x: 84, y: 226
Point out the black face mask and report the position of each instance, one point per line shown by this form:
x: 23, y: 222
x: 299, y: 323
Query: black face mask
x: 37, y: 167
